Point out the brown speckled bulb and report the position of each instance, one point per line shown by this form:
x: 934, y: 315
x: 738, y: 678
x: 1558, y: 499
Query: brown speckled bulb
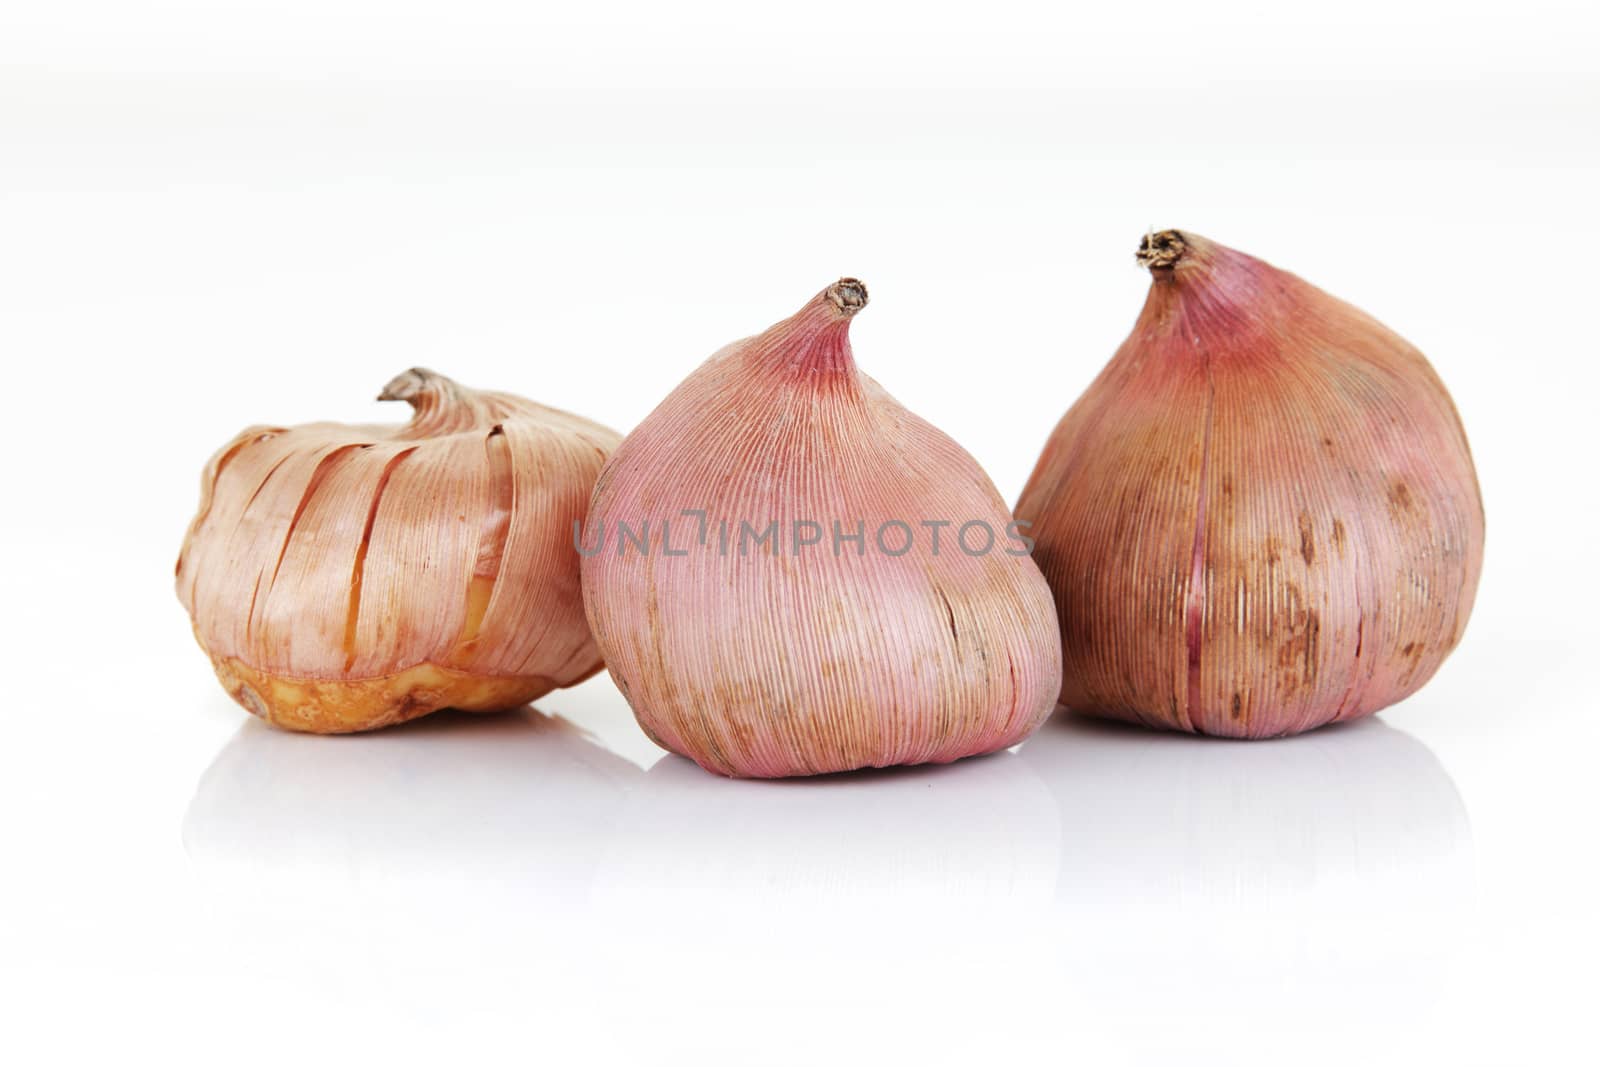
x: 1262, y: 516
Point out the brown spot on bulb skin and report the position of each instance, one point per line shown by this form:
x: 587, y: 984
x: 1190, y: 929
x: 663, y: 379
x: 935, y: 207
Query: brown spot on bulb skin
x: 1300, y: 651
x: 1399, y: 499
x: 1338, y: 537
x: 1308, y: 541
x: 950, y: 614
x: 1413, y: 652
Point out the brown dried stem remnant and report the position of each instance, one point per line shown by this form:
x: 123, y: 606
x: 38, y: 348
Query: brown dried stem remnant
x: 1160, y: 250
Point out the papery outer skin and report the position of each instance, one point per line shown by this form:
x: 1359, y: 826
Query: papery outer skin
x: 812, y: 663
x: 343, y: 578
x: 1262, y: 516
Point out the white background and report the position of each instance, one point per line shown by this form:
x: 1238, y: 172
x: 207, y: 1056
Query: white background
x: 213, y: 214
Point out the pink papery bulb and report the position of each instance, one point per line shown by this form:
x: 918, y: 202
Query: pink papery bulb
x: 1262, y: 516
x: 857, y: 632
x: 343, y: 577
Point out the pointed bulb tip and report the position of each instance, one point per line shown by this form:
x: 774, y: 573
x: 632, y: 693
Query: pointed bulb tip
x: 849, y: 295
x: 1160, y: 251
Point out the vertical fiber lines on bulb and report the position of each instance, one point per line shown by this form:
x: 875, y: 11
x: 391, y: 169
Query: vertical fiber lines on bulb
x: 807, y: 661
x: 358, y: 571
x: 329, y: 577
x: 209, y: 493
x: 496, y: 527
x: 318, y: 476
x: 1194, y: 609
x: 1327, y: 539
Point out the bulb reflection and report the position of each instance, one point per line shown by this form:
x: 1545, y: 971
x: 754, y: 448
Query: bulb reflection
x: 517, y: 804
x: 1259, y: 883
x: 845, y: 889
x: 878, y: 842
x: 1231, y: 879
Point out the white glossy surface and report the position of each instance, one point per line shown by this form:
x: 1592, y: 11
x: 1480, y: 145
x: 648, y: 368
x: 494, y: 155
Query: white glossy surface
x: 212, y: 215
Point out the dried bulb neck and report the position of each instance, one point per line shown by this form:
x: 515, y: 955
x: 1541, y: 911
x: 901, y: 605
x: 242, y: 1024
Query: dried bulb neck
x: 847, y: 295
x: 1200, y: 290
x: 1161, y: 251
x: 438, y: 404
x: 420, y: 386
x: 1187, y: 258
x: 815, y: 341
